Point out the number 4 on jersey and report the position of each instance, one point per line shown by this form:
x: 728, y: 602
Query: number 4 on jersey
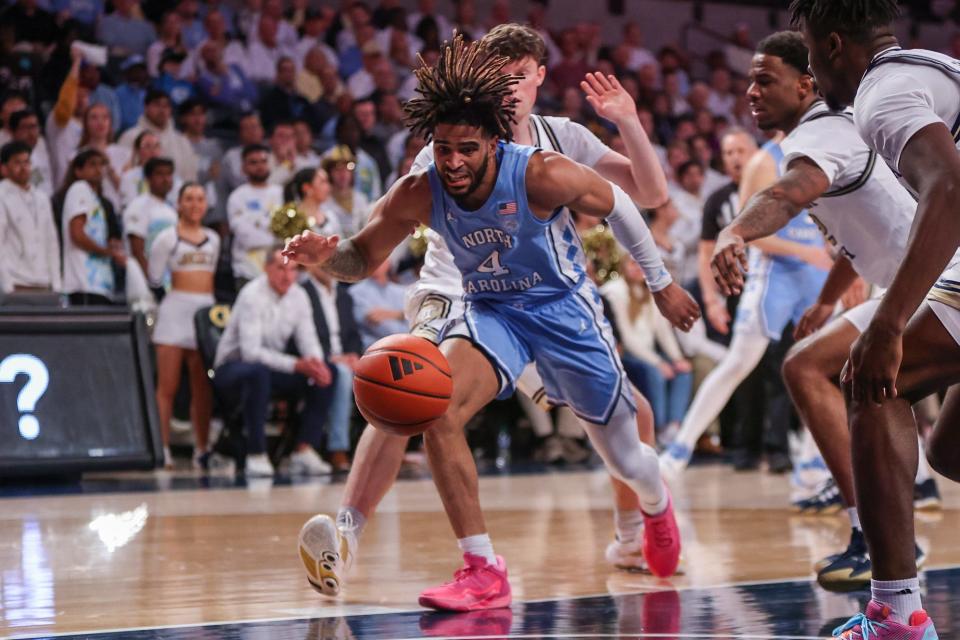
x: 492, y: 265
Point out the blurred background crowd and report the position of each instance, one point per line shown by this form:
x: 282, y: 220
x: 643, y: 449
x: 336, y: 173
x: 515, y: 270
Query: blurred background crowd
x: 146, y: 145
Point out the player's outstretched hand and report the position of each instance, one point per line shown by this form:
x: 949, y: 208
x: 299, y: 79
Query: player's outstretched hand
x: 310, y: 248
x: 677, y: 306
x: 813, y: 319
x: 729, y: 263
x: 608, y: 97
x: 871, y: 372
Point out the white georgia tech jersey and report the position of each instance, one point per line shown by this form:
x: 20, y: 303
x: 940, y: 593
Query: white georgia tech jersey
x: 866, y: 213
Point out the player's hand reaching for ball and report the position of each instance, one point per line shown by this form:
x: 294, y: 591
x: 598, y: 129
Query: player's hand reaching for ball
x: 309, y: 248
x: 677, y: 306
x: 729, y: 262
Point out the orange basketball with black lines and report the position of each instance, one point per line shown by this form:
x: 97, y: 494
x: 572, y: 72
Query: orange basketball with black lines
x: 402, y: 384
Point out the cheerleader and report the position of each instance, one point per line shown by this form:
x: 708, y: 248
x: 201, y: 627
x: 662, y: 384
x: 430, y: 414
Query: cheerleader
x: 189, y: 252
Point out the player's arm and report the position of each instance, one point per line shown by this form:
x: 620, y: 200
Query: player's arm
x: 841, y: 277
x: 767, y: 211
x: 395, y: 215
x: 556, y: 181
x: 639, y: 174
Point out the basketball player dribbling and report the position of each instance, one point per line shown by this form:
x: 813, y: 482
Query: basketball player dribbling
x: 526, y: 288
x: 437, y: 297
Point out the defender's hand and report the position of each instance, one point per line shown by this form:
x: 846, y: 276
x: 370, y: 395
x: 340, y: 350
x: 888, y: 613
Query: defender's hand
x: 310, y: 248
x: 813, y: 319
x: 871, y: 372
x: 608, y: 97
x: 729, y: 263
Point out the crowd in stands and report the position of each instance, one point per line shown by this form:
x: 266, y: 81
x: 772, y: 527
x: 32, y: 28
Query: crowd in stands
x: 145, y: 145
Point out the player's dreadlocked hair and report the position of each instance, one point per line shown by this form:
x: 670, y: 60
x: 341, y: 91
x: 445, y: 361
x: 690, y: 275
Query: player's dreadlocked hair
x: 466, y: 86
x: 855, y: 18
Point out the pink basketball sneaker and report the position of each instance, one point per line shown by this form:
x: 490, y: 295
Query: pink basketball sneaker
x: 661, y: 541
x: 875, y: 624
x: 477, y: 585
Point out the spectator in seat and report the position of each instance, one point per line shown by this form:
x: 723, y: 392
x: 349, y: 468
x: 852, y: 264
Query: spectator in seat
x: 31, y: 24
x: 310, y: 189
x: 168, y: 38
x: 249, y: 131
x: 281, y: 101
x: 90, y: 246
x: 25, y: 126
x: 170, y: 79
x: 349, y: 205
x: 248, y: 210
x: 192, y: 116
x: 99, y: 92
x: 651, y: 355
x: 132, y: 181
x: 315, y: 25
x: 303, y: 139
x: 349, y: 133
x: 340, y: 338
x: 309, y: 81
x: 216, y: 30
x: 193, y: 31
x: 132, y: 92
x: 98, y: 134
x: 251, y: 364
x: 125, y: 31
x: 64, y: 125
x: 150, y: 213
x: 221, y: 84
x: 157, y: 118
x: 283, y: 152
x: 260, y: 56
x: 378, y: 305
x: 466, y: 21
x: 10, y: 103
x: 187, y: 253
x: 29, y: 248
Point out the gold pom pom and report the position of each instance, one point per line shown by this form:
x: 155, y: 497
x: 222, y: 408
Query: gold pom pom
x: 603, y: 250
x: 287, y: 221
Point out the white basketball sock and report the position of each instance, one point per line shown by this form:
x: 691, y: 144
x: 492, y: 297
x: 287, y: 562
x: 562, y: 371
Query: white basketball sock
x: 478, y: 545
x: 350, y: 519
x: 923, y: 467
x: 854, y: 516
x: 902, y: 596
x: 628, y: 524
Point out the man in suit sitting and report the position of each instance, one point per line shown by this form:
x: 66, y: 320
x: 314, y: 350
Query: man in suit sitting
x: 340, y: 338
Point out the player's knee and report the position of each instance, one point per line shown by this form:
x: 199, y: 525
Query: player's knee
x: 797, y: 366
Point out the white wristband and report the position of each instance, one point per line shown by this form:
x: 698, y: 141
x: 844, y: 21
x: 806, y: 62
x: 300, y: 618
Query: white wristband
x: 631, y: 231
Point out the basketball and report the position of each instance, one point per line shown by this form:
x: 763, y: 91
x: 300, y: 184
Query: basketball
x: 402, y: 383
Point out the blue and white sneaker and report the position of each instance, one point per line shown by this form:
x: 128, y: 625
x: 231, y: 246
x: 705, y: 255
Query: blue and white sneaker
x: 675, y: 459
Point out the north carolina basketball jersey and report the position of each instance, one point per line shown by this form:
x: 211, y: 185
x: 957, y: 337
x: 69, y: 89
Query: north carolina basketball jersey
x: 873, y: 237
x: 801, y: 228
x: 439, y: 273
x: 903, y: 91
x: 503, y: 251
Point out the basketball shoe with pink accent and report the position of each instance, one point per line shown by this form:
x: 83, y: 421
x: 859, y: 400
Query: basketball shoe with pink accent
x: 477, y: 585
x: 875, y: 624
x: 661, y: 541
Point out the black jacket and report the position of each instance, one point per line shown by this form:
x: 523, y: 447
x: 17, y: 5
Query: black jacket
x: 349, y: 333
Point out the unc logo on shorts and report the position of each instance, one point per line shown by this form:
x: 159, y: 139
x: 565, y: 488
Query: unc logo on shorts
x: 401, y: 367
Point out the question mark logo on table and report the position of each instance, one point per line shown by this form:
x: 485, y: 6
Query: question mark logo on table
x: 38, y: 379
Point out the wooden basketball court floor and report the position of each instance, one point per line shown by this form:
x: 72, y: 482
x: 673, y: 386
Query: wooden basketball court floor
x: 173, y: 555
